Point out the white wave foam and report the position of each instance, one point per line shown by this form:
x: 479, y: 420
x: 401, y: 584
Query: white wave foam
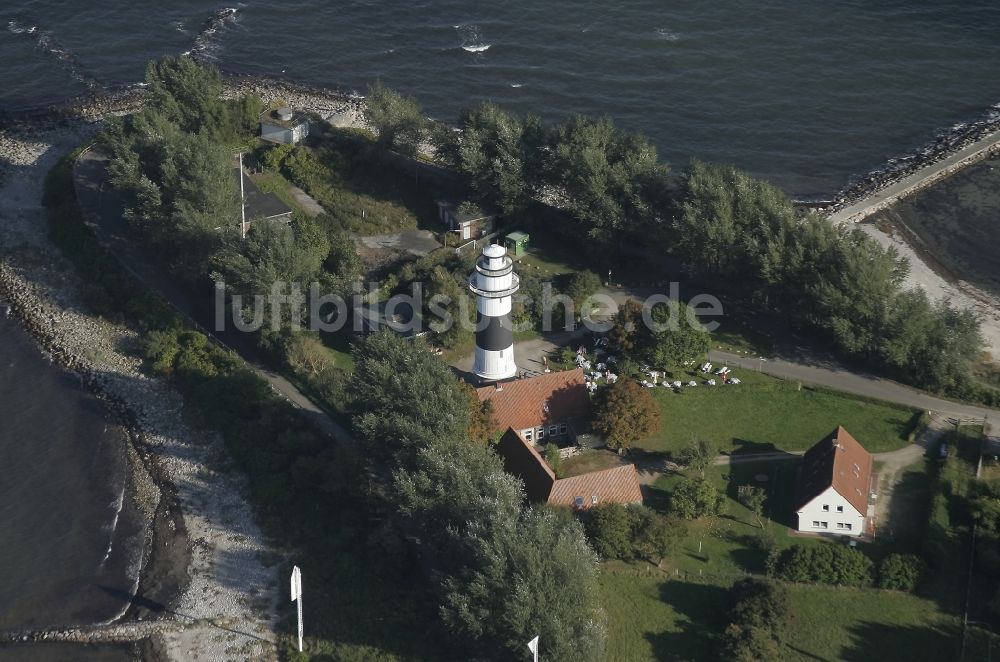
x: 477, y: 48
x: 666, y: 35
x: 118, y: 504
x: 205, y: 44
x: 17, y: 28
x: 517, y: 84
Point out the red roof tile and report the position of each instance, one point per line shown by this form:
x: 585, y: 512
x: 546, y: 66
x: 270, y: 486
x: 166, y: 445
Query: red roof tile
x: 535, y: 401
x: 616, y: 485
x: 837, y: 461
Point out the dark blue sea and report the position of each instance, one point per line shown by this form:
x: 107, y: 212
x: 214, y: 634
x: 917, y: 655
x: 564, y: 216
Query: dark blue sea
x: 807, y: 93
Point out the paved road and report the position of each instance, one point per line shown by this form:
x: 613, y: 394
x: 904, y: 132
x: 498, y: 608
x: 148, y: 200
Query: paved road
x: 103, y: 211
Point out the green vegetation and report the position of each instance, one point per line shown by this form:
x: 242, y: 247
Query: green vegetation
x: 504, y: 572
x: 398, y: 121
x: 757, y: 620
x: 835, y: 565
x: 901, y: 572
x: 624, y: 411
x: 765, y: 414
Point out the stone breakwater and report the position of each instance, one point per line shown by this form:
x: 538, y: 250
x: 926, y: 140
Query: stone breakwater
x: 339, y: 106
x: 943, y: 145
x: 202, y: 542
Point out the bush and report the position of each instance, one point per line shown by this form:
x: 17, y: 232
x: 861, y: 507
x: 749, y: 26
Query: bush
x: 901, y: 572
x: 553, y: 458
x: 757, y: 617
x: 696, y: 497
x: 832, y: 564
x: 611, y: 529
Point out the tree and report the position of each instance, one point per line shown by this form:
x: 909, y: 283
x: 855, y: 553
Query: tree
x: 625, y: 412
x: 610, y: 180
x: 499, y: 152
x: 757, y: 619
x: 753, y: 497
x: 657, y: 536
x: 398, y: 121
x: 698, y: 455
x: 676, y: 337
x: 582, y: 285
x: 611, y: 528
x: 624, y: 333
x: 308, y: 356
x: 483, y: 426
x: 405, y: 397
x: 696, y: 497
x: 901, y: 572
x: 186, y: 92
x: 553, y: 458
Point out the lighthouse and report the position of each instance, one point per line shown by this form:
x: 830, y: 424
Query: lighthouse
x: 494, y: 282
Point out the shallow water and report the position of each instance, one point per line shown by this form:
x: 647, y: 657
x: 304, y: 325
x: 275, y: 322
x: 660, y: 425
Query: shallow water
x: 69, y: 541
x: 959, y: 218
x: 806, y: 94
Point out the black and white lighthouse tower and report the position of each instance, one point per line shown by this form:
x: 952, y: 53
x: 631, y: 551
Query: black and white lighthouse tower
x: 493, y: 283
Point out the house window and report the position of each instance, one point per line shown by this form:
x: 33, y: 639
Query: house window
x: 527, y: 434
x: 593, y: 498
x: 826, y: 508
x: 562, y: 429
x: 824, y: 525
x: 847, y: 526
x: 840, y: 509
x: 553, y: 430
x: 541, y: 433
x: 815, y: 524
x: 840, y: 525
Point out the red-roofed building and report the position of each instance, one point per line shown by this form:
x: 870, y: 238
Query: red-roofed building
x: 521, y: 459
x: 550, y: 405
x: 834, y: 488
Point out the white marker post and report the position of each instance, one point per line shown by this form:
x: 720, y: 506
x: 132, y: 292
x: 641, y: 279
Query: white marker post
x: 297, y: 598
x: 533, y: 647
x: 243, y: 203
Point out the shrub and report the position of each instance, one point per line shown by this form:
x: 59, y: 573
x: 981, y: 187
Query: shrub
x: 696, y: 497
x: 901, y: 572
x: 758, y: 612
x: 610, y: 529
x: 825, y: 564
x: 553, y: 458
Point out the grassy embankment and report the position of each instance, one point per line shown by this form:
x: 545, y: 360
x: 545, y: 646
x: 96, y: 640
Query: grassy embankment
x: 310, y: 497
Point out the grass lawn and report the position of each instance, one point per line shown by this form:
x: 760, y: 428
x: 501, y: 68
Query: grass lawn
x: 587, y: 461
x: 654, y: 617
x: 723, y: 547
x: 273, y: 182
x: 857, y: 625
x: 767, y: 414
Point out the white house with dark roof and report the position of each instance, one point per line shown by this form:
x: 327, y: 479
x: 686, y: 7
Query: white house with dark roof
x: 283, y: 125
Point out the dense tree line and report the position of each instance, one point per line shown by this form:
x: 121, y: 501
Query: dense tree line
x: 730, y: 229
x: 505, y: 572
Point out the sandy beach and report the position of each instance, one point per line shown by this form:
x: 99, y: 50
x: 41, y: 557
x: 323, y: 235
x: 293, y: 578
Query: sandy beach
x: 208, y: 585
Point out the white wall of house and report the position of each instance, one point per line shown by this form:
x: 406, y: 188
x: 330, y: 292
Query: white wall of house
x: 831, y: 513
x: 279, y: 134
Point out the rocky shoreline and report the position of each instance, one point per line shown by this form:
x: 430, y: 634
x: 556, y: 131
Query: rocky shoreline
x: 208, y: 585
x: 943, y: 145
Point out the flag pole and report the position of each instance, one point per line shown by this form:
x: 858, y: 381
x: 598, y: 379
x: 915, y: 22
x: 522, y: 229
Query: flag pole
x: 297, y: 598
x: 243, y: 206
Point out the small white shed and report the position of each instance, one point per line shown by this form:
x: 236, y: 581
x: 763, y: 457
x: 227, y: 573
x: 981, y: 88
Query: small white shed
x: 284, y: 125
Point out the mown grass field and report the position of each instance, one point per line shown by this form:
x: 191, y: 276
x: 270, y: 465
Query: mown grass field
x: 769, y: 414
x: 652, y: 616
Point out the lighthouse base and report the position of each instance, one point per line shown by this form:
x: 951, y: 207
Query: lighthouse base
x: 493, y: 365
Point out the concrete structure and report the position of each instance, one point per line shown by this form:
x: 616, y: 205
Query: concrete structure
x: 283, y: 125
x: 494, y: 282
x: 471, y: 223
x: 549, y: 406
x: 834, y: 487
